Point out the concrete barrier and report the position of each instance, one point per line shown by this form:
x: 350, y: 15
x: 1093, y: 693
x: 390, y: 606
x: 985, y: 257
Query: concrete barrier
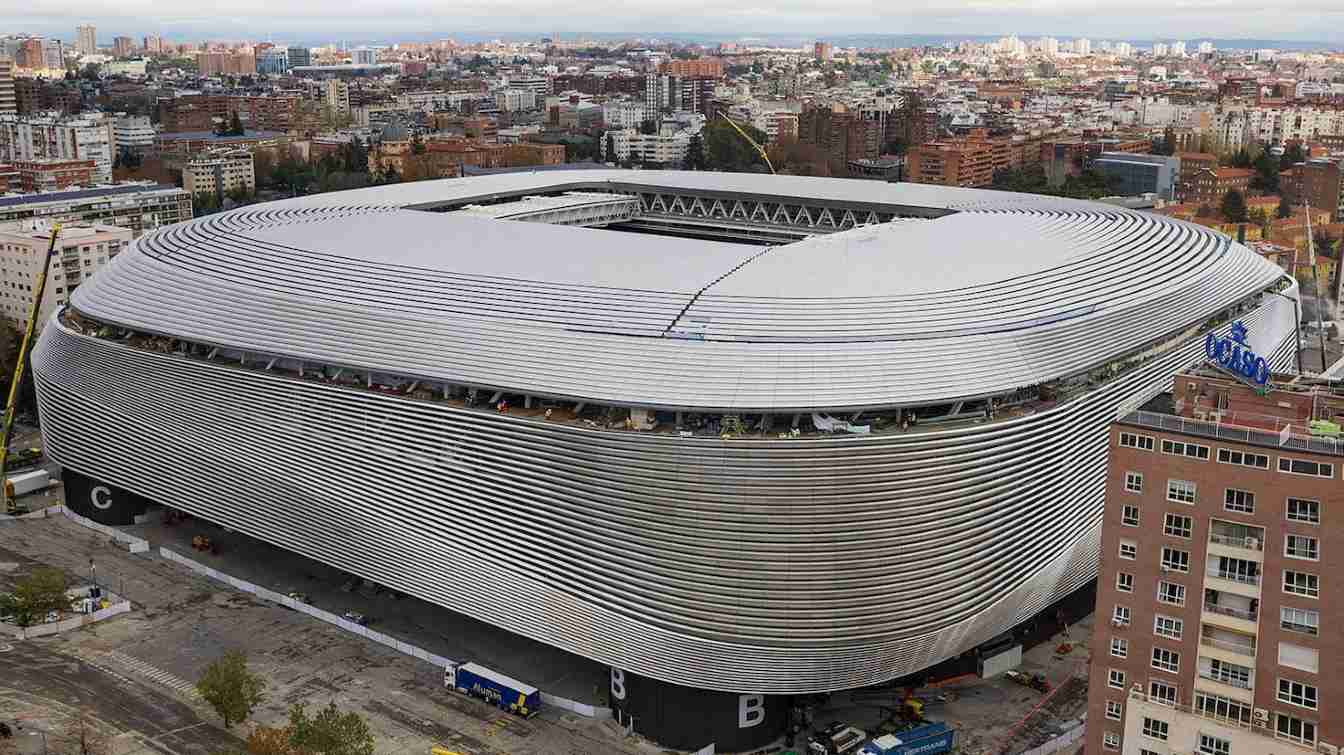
x: 400, y: 646
x: 1059, y: 742
x: 65, y: 625
x: 133, y: 543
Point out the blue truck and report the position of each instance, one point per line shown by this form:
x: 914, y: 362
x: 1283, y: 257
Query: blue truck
x: 930, y: 739
x: 493, y: 687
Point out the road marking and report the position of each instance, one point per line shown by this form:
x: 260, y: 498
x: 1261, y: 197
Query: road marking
x: 152, y: 672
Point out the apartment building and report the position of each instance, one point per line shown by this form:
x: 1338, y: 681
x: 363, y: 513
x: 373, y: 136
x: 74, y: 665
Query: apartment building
x: 82, y: 250
x: 220, y: 172
x: 711, y: 68
x: 1209, y: 185
x: 1191, y: 164
x: 53, y: 174
x: 136, y: 206
x: 87, y: 137
x: 1318, y: 182
x: 951, y: 163
x: 1217, y: 589
x: 336, y: 96
x: 8, y: 102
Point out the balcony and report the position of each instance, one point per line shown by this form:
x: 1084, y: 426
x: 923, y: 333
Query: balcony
x: 1236, y: 613
x: 1235, y: 541
x: 1240, y: 681
x: 1239, y: 578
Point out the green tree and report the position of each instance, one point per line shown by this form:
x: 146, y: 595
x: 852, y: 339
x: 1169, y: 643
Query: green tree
x: 417, y: 145
x: 35, y: 596
x: 330, y: 732
x: 611, y: 149
x: 695, y: 154
x: 1285, y: 209
x: 229, y: 688
x: 1266, y: 178
x: 1233, y: 207
x: 725, y: 149
x: 236, y: 125
x: 1292, y: 155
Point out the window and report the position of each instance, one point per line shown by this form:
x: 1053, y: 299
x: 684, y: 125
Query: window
x: 1240, y: 501
x: 1298, y: 657
x: 1133, y: 482
x: 1119, y: 647
x: 1171, y: 593
x: 1181, y: 491
x: 1175, y: 559
x: 1166, y: 660
x: 1303, y: 466
x: 1294, y: 729
x: 1132, y: 440
x: 1244, y: 458
x: 1120, y: 617
x: 1222, y: 708
x: 1301, y: 583
x: 1211, y: 745
x: 1177, y: 525
x: 1301, y: 546
x: 1124, y: 582
x: 1300, y: 620
x: 1161, y: 692
x: 1129, y: 516
x: 1113, y: 710
x: 1299, y: 509
x: 1181, y: 448
x: 1155, y: 728
x: 1129, y: 550
x: 1228, y: 673
x: 1166, y: 626
x: 1116, y: 679
x: 1110, y: 740
x: 1297, y: 693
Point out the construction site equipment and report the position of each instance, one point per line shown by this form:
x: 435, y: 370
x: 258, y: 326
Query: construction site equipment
x: 21, y: 362
x: 203, y: 543
x: 759, y: 149
x: 28, y: 482
x: 1035, y: 681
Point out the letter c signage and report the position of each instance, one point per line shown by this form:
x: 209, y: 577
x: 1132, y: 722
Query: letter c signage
x: 101, y: 497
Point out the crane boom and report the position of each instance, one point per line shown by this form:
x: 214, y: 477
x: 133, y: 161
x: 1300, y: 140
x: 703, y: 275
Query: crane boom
x: 759, y: 149
x: 20, y: 363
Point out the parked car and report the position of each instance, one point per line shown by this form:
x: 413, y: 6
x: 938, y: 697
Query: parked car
x: 356, y: 618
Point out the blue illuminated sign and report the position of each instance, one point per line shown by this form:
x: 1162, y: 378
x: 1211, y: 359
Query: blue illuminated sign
x: 1232, y: 353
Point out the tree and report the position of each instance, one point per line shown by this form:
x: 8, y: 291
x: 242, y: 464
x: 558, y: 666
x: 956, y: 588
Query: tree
x: 1233, y: 207
x: 611, y: 149
x: 1266, y: 178
x: 35, y: 596
x: 232, y: 690
x: 330, y: 732
x: 695, y: 154
x: 1204, y: 211
x: 269, y: 740
x: 1285, y: 209
x: 1293, y: 154
x: 725, y: 149
x: 648, y: 127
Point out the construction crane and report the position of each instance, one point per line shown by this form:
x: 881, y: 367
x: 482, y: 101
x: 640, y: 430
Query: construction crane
x: 759, y: 149
x: 21, y: 362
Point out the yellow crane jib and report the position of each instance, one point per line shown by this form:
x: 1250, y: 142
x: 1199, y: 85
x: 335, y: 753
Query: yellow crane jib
x: 752, y: 142
x: 20, y: 364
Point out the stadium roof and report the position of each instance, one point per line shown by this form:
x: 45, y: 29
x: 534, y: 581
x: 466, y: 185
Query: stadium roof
x: 998, y: 291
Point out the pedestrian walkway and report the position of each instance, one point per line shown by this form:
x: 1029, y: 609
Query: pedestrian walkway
x: 113, y: 662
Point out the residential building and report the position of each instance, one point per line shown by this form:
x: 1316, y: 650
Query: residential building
x: 299, y: 56
x: 87, y: 39
x: 88, y: 136
x: 203, y: 112
x: 226, y: 63
x: 137, y: 206
x: 8, y: 103
x: 1218, y: 551
x: 134, y: 133
x: 622, y: 114
x: 337, y: 96
x: 153, y: 44
x: 363, y: 56
x: 1082, y: 46
x: 668, y: 147
x: 821, y: 51
x: 1191, y: 164
x: 122, y: 47
x: 1210, y: 185
x: 839, y: 133
x: 1140, y: 174
x: 695, y: 68
x: 82, y: 250
x: 185, y: 144
x: 54, y: 174
x: 951, y: 163
x: 510, y: 100
x: 1318, y: 182
x: 220, y: 172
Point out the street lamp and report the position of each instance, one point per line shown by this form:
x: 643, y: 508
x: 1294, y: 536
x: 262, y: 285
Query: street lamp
x: 93, y: 573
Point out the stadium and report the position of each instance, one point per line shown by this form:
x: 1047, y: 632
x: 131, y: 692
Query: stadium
x: 741, y: 433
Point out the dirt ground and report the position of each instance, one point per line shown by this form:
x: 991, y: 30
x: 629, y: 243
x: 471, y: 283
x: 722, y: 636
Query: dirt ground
x: 182, y: 622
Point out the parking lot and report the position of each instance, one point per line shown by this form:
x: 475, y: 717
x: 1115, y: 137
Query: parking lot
x: 182, y: 622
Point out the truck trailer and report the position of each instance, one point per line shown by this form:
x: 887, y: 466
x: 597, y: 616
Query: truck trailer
x: 493, y: 687
x: 27, y: 482
x: 930, y: 739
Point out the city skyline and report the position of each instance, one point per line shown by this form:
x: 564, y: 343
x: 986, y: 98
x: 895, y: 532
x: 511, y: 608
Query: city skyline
x: 1314, y: 22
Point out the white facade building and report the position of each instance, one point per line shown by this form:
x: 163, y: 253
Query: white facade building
x: 515, y: 99
x: 363, y: 56
x: 82, y: 250
x: 1159, y: 50
x: 665, y: 148
x: 1082, y: 46
x: 133, y: 132
x: 623, y: 114
x: 337, y: 96
x: 86, y: 137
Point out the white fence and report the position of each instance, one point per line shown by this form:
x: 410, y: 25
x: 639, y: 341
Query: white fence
x: 133, y: 543
x: 1059, y: 742
x: 75, y: 622
x: 401, y: 647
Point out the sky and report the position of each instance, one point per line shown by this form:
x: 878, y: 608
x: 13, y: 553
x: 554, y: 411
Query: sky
x: 317, y: 21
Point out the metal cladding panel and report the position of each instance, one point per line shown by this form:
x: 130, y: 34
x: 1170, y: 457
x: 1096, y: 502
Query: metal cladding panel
x: 774, y: 566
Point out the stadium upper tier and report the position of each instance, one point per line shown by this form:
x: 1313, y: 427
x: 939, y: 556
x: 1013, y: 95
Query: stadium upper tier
x: 988, y: 293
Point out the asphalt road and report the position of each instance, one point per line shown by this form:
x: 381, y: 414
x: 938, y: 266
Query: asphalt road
x: 30, y: 671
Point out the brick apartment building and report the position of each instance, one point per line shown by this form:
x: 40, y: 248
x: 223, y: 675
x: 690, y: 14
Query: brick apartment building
x: 951, y: 163
x: 1217, y: 614
x: 708, y: 68
x: 839, y: 133
x: 54, y: 175
x: 201, y: 112
x: 1318, y: 182
x: 1191, y: 164
x: 1209, y: 185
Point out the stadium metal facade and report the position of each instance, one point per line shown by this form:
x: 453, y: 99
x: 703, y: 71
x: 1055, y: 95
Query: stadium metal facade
x: 328, y: 373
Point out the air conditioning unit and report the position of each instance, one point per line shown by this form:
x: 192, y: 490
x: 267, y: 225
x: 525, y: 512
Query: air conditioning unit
x: 1325, y: 748
x: 1253, y: 543
x: 1260, y: 717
